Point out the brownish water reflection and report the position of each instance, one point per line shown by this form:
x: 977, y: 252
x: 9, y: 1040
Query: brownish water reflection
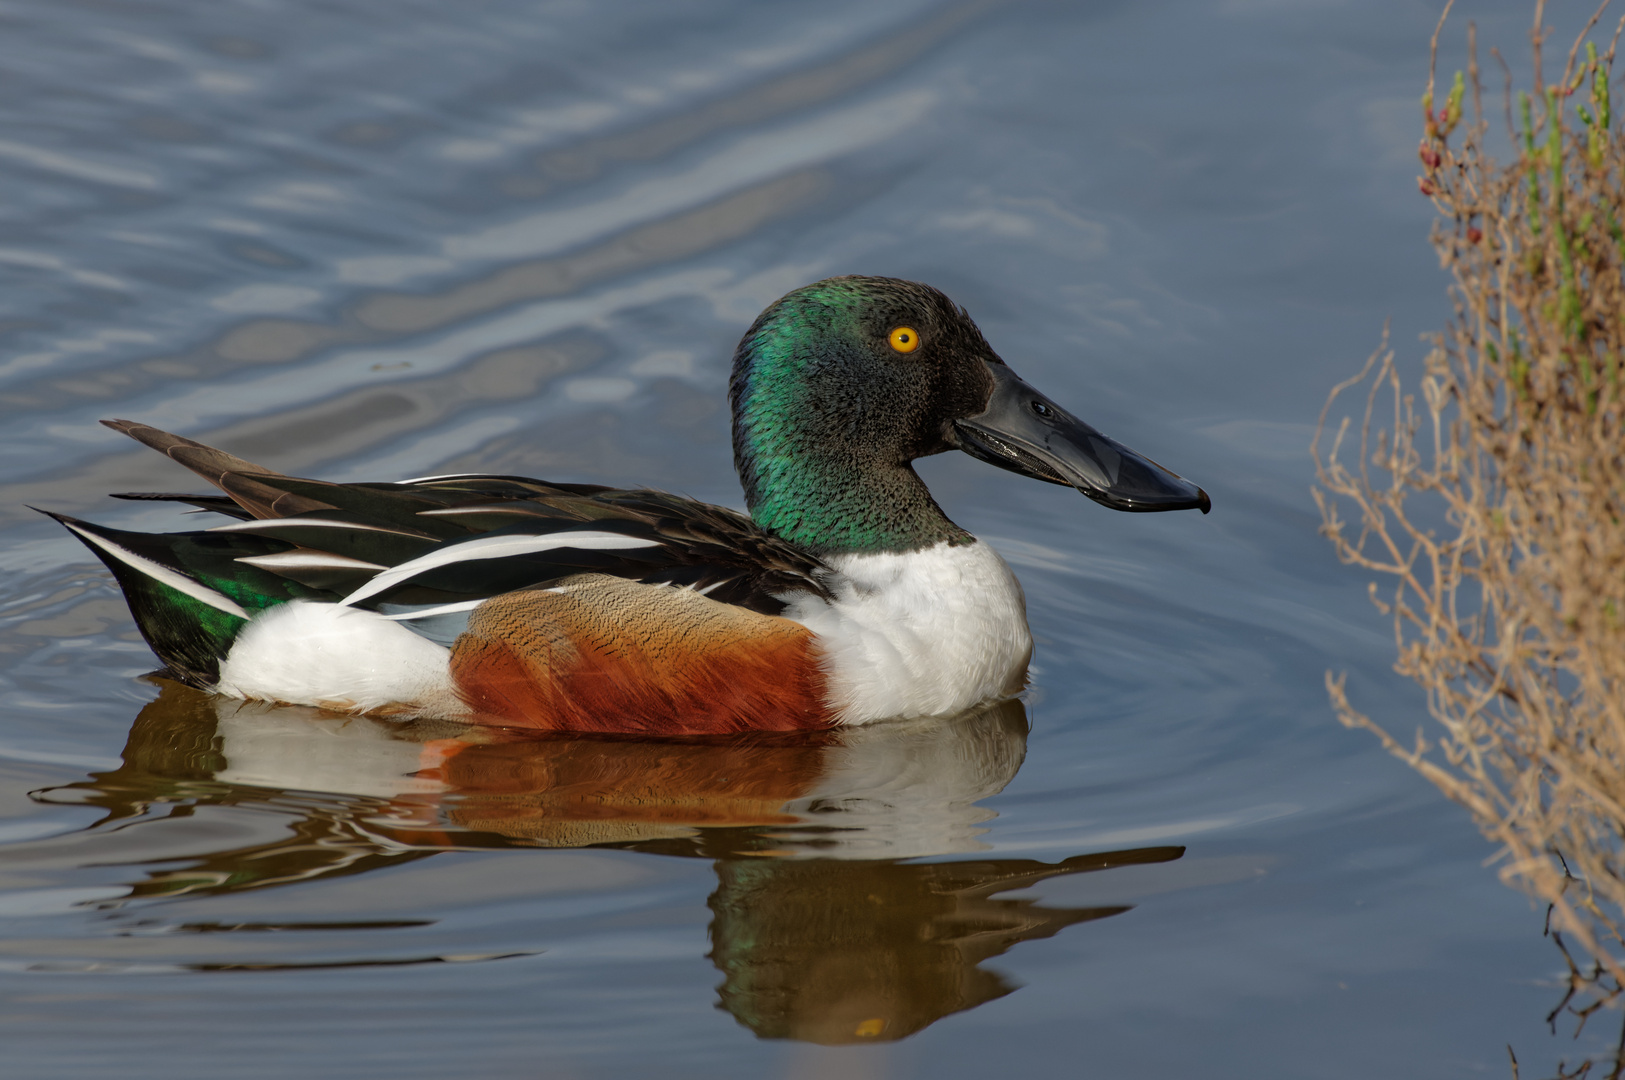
x: 821, y: 928
x: 843, y: 952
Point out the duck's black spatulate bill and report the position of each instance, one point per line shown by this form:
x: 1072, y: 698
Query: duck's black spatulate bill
x: 1025, y: 432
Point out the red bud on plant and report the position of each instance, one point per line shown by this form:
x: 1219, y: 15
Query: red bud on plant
x: 1474, y: 235
x: 1424, y: 185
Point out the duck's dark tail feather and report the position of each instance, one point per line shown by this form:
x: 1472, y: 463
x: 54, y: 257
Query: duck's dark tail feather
x: 213, y: 504
x: 190, y: 593
x: 243, y: 480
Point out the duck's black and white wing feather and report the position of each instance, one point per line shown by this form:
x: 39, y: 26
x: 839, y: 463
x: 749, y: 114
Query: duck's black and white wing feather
x: 455, y: 540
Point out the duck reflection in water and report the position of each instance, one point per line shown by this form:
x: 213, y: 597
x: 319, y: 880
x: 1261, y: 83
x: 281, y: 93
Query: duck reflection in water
x: 821, y: 930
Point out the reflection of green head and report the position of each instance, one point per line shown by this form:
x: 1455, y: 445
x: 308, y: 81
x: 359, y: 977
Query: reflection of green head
x: 828, y: 413
x: 838, y: 952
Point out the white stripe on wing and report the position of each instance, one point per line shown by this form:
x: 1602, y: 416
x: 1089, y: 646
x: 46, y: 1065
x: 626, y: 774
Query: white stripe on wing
x: 496, y: 547
x: 308, y: 560
x: 163, y: 574
x: 272, y: 524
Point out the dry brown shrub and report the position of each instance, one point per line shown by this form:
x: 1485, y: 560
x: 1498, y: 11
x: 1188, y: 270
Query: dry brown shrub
x: 1491, y: 509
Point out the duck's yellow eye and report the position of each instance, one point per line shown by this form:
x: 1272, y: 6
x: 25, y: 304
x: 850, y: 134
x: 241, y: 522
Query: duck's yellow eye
x: 905, y: 339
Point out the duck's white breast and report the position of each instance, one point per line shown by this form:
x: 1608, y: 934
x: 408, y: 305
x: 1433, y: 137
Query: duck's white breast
x: 925, y: 633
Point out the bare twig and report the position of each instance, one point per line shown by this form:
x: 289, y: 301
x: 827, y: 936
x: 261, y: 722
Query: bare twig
x: 1608, y: 57
x: 1537, y: 39
x: 1433, y: 47
x: 1574, y: 50
x: 1506, y: 92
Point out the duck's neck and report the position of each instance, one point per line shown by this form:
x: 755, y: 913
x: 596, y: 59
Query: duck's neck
x: 833, y: 505
x: 809, y: 482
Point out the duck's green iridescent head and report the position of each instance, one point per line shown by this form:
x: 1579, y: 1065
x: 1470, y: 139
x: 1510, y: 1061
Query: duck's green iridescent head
x: 838, y: 386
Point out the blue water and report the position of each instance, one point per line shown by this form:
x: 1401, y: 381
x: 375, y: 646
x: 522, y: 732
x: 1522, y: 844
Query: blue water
x: 368, y: 239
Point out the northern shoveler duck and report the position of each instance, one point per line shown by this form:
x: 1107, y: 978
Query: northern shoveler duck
x: 846, y: 596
